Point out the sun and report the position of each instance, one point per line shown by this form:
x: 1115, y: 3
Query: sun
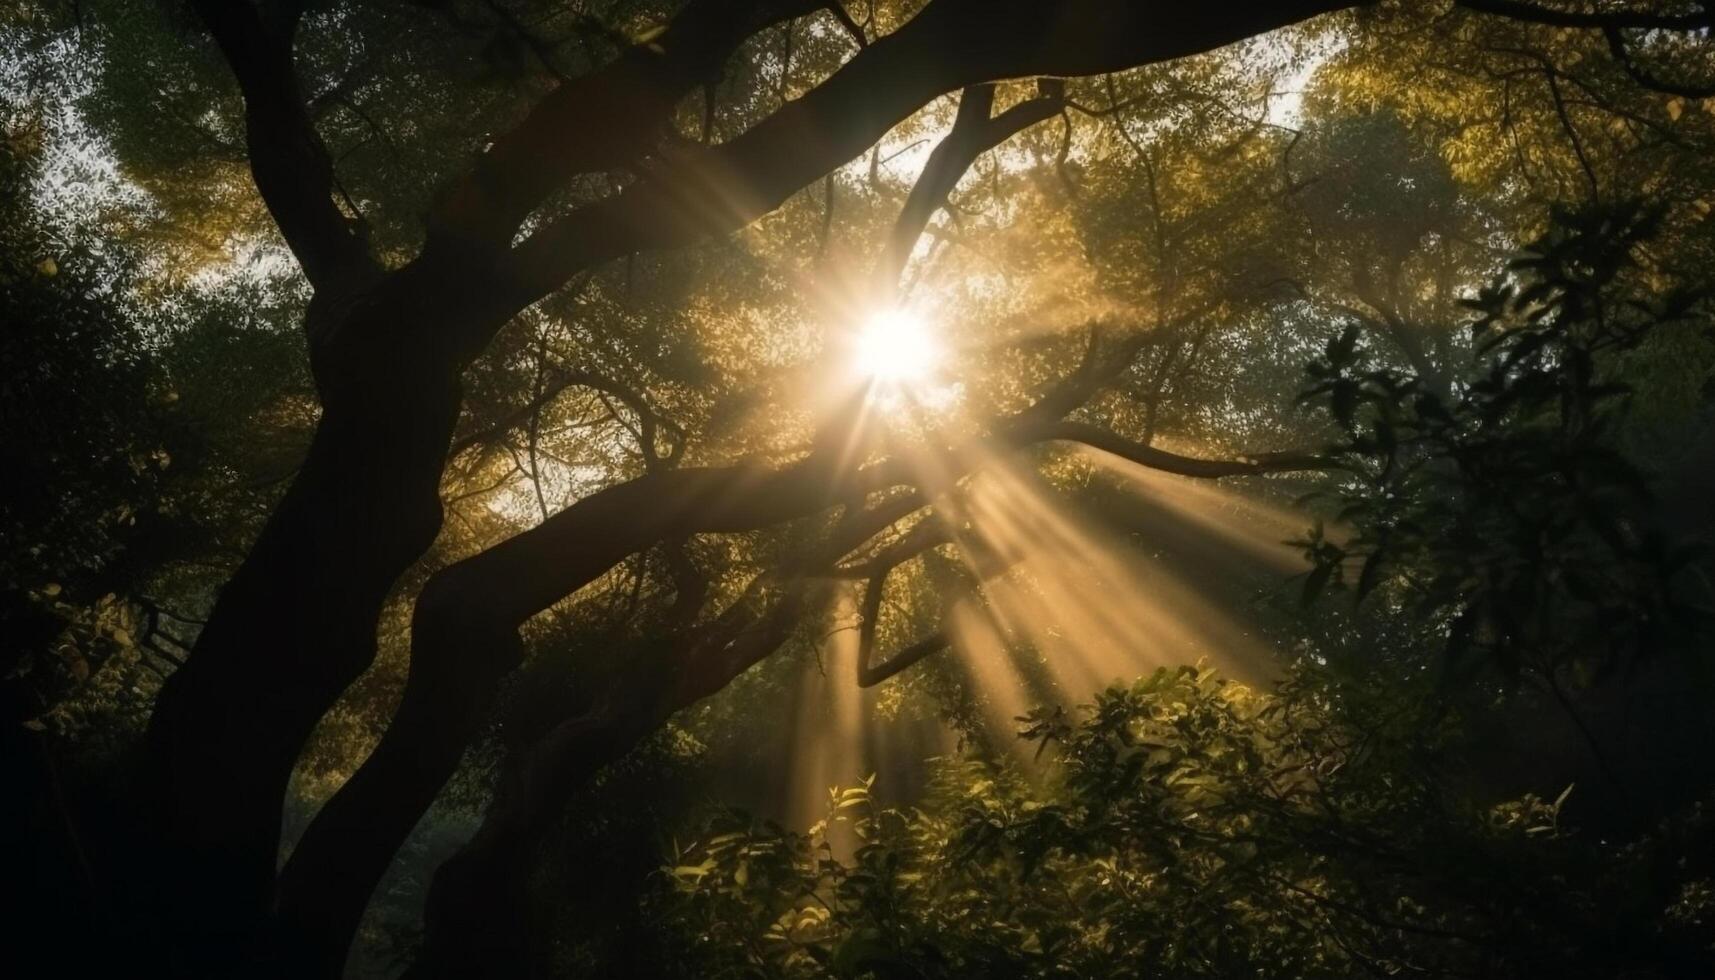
x: 895, y: 347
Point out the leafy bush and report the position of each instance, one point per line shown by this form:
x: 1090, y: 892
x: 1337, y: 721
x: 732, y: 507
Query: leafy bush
x: 1504, y: 509
x: 1189, y: 825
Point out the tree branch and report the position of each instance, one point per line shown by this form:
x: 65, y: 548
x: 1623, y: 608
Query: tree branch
x: 1557, y: 17
x: 867, y: 676
x: 950, y: 44
x: 974, y: 133
x: 1617, y: 46
x: 605, y: 119
x: 288, y: 160
x: 1160, y: 459
x: 649, y: 422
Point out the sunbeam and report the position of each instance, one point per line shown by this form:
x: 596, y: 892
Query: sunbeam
x: 1092, y: 612
x: 1259, y: 529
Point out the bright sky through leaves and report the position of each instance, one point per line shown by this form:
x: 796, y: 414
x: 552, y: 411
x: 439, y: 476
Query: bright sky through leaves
x: 528, y: 488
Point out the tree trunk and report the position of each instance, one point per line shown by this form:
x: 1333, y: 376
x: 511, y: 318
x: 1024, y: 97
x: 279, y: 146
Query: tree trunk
x: 290, y: 631
x: 458, y: 658
x: 478, y: 917
x: 464, y: 640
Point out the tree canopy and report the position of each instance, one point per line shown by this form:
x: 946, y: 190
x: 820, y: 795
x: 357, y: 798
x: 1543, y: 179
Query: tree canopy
x: 1215, y: 489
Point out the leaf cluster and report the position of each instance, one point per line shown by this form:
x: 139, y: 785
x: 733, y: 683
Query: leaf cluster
x: 1507, y: 510
x: 1185, y: 825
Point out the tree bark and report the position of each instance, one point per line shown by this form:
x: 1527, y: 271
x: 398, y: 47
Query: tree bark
x: 464, y: 641
x: 288, y: 633
x: 478, y: 918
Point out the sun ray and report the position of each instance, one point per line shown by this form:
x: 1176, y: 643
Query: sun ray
x: 1001, y: 690
x: 829, y: 720
x: 1259, y: 528
x: 1093, y: 613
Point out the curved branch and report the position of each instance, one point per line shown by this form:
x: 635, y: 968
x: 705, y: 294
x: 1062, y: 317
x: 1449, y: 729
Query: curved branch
x: 1555, y: 17
x: 950, y: 44
x: 601, y: 120
x: 290, y: 164
x: 1617, y: 47
x: 868, y: 676
x: 974, y: 133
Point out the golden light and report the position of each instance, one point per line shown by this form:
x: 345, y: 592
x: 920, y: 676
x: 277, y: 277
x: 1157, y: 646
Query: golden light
x: 895, y: 347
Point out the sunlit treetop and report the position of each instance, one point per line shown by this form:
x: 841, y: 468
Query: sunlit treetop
x: 571, y: 364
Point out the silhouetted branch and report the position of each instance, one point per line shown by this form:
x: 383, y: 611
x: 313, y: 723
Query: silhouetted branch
x: 1617, y: 46
x: 974, y: 133
x: 1559, y: 17
x: 874, y: 590
x: 1160, y: 459
x: 598, y: 121
x: 288, y: 160
x: 949, y: 45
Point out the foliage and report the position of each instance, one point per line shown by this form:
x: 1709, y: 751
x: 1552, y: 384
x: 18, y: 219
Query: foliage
x: 1507, y: 511
x: 1218, y: 216
x: 1191, y: 826
x: 146, y: 431
x: 83, y: 436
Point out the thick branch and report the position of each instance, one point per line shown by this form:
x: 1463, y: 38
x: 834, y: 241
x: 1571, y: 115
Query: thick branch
x: 602, y: 120
x: 288, y: 160
x: 974, y: 133
x: 1558, y: 17
x: 951, y: 44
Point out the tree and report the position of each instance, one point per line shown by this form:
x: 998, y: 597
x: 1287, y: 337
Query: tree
x: 296, y: 623
x: 1511, y: 514
x: 592, y: 168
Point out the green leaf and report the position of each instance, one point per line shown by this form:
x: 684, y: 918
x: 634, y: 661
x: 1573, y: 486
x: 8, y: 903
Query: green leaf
x: 1316, y: 582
